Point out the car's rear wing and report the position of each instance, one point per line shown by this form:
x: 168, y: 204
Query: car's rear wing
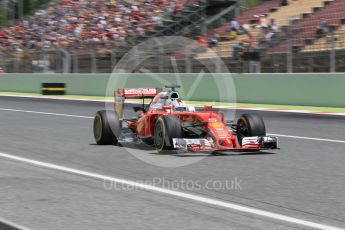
x: 137, y: 92
x: 134, y: 93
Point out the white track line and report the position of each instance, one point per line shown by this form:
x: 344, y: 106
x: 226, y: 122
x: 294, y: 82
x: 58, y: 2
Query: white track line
x: 307, y: 138
x: 10, y: 223
x: 45, y: 113
x: 183, y: 195
x: 87, y: 117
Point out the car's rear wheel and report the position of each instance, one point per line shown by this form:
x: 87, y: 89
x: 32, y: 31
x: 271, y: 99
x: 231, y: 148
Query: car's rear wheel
x: 249, y: 125
x: 166, y: 129
x: 106, y: 127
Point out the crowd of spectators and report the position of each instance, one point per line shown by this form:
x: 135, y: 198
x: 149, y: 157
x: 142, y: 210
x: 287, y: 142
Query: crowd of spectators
x: 259, y: 33
x: 80, y: 23
x: 266, y: 31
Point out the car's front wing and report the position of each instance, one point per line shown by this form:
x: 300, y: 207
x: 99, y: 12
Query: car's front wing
x: 249, y: 144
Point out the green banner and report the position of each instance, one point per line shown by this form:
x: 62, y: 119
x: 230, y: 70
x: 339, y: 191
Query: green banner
x: 282, y: 89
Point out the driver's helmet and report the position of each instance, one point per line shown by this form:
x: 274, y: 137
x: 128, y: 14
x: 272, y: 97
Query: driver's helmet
x: 173, y: 99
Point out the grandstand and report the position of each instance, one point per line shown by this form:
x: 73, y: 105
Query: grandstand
x: 299, y: 10
x: 305, y: 31
x: 296, y: 10
x: 91, y: 36
x: 247, y: 16
x: 337, y: 39
x: 78, y: 23
x: 79, y: 27
x: 225, y: 48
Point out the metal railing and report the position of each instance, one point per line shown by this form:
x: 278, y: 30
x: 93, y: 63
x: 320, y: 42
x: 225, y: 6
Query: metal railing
x: 60, y: 60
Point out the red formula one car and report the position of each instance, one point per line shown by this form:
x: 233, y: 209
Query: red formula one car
x: 169, y: 124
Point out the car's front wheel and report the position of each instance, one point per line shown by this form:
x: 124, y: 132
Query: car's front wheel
x: 249, y: 125
x: 166, y: 129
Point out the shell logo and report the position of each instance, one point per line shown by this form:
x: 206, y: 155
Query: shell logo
x: 216, y: 125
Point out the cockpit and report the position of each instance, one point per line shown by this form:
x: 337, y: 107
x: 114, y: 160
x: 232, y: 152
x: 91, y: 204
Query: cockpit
x: 172, y: 99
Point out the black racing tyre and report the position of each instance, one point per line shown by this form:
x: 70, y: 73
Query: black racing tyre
x: 249, y: 125
x: 167, y: 128
x: 106, y: 127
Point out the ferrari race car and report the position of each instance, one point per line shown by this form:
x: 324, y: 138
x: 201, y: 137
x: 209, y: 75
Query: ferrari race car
x: 168, y: 124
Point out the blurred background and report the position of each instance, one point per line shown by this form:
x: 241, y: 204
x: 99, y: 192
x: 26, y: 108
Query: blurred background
x: 250, y: 36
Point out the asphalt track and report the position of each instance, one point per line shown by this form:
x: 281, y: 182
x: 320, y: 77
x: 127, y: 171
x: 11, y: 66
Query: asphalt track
x: 304, y: 180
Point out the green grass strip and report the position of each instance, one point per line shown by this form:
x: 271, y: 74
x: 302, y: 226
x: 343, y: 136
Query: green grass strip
x: 241, y: 105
